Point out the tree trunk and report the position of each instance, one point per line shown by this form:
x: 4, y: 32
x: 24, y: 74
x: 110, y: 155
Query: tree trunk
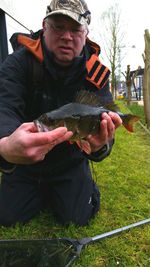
x: 128, y: 84
x: 146, y: 79
x: 113, y: 84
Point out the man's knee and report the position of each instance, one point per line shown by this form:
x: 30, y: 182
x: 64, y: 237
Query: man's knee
x: 11, y: 216
x: 79, y: 221
x: 82, y: 212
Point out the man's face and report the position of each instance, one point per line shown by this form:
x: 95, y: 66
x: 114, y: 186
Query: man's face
x: 64, y: 37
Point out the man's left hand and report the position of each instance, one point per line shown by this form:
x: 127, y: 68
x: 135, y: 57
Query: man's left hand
x: 108, y: 125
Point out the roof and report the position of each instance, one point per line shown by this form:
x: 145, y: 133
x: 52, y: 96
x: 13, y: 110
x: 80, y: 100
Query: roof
x: 140, y: 72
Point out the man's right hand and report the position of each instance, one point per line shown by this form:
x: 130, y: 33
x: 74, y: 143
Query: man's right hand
x: 27, y: 146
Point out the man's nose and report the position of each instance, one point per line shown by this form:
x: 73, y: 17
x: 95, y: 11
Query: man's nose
x: 67, y: 34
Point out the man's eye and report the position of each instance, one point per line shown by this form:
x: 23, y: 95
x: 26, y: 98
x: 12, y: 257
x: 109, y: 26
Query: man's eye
x: 76, y: 30
x: 58, y: 28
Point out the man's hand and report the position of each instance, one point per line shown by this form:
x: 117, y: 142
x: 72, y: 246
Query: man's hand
x: 109, y: 123
x: 27, y: 146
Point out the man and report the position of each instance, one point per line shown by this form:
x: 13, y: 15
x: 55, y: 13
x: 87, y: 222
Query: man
x: 43, y: 170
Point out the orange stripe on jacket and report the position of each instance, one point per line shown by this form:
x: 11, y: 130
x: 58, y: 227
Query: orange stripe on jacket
x: 33, y: 46
x: 102, y: 76
x: 89, y: 65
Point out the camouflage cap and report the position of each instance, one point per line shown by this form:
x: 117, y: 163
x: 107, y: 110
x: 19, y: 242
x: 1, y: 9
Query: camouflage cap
x: 75, y: 9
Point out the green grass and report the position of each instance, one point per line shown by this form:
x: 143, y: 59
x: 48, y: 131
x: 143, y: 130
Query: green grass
x: 124, y: 179
x: 138, y: 110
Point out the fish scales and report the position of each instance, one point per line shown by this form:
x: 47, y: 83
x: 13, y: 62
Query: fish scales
x: 79, y: 118
x: 75, y: 109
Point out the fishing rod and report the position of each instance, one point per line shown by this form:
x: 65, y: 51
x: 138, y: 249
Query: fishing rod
x: 60, y: 252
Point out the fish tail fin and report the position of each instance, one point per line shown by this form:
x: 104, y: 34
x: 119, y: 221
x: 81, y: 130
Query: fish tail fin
x: 128, y: 121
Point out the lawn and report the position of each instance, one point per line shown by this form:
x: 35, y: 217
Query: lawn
x: 124, y: 180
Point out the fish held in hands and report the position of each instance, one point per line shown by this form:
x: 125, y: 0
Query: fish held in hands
x: 82, y: 117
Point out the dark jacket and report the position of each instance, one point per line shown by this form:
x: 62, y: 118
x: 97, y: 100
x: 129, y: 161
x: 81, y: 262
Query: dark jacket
x: 23, y: 97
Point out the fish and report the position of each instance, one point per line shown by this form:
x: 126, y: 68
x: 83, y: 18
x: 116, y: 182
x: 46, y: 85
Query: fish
x: 82, y: 117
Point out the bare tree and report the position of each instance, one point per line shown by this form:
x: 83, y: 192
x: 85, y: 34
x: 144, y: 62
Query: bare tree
x: 130, y: 81
x: 146, y: 80
x: 113, y: 36
x: 128, y: 84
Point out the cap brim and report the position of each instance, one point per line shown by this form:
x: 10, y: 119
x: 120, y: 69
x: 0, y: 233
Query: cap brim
x: 77, y: 17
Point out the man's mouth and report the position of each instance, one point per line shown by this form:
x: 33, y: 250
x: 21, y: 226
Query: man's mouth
x: 65, y: 49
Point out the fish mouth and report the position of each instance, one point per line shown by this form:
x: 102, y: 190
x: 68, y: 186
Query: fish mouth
x: 41, y: 127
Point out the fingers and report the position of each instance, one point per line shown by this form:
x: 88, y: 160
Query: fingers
x: 107, y: 128
x: 108, y: 125
x: 53, y: 137
x: 116, y: 119
x: 29, y: 126
x: 37, y: 151
x: 113, y: 120
x: 26, y: 145
x: 43, y: 142
x: 60, y: 135
x: 56, y: 138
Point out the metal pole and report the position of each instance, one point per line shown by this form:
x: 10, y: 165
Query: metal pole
x: 3, y: 37
x: 18, y: 22
x: 119, y: 230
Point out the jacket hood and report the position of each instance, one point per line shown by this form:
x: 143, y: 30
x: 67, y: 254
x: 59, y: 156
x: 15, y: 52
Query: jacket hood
x: 97, y: 73
x: 94, y: 47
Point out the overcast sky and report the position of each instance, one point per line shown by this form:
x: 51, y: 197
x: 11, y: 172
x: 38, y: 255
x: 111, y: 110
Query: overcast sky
x: 134, y: 13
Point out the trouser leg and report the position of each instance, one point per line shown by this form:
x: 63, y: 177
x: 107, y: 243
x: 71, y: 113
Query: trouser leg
x: 75, y: 198
x: 19, y: 199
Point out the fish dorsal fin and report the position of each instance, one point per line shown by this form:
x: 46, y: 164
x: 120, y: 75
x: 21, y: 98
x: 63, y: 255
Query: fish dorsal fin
x: 91, y: 99
x: 87, y: 98
x: 112, y: 106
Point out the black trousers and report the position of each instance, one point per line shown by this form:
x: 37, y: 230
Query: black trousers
x: 73, y: 197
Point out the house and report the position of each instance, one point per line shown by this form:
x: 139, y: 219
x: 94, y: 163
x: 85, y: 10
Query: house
x: 137, y: 89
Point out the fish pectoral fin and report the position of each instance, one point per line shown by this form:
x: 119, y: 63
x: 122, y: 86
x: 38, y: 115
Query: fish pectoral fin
x: 71, y: 142
x: 84, y: 146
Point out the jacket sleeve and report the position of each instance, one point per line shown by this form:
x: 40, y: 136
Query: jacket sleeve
x: 6, y: 167
x: 13, y: 95
x: 102, y: 153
